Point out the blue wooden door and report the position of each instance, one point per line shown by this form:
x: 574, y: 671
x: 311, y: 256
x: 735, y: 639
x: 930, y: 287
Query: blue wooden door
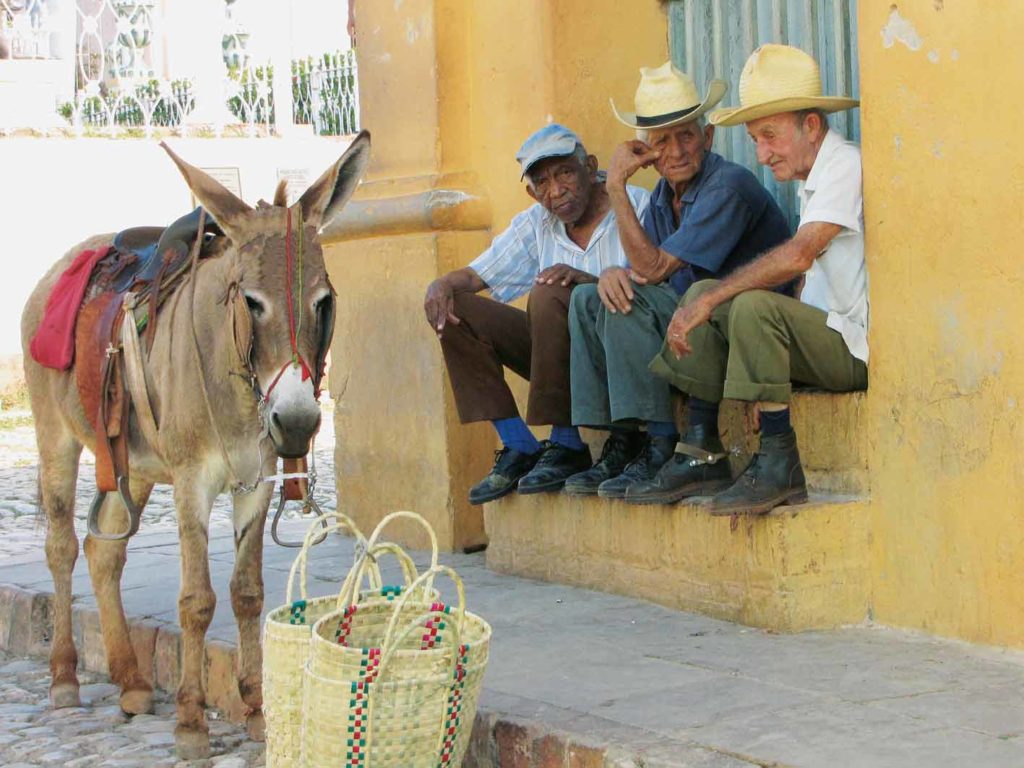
x: 713, y: 38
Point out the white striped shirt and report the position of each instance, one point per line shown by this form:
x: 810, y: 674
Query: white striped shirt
x: 536, y: 239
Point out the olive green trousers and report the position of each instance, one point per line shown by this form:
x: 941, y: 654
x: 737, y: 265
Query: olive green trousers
x: 756, y: 346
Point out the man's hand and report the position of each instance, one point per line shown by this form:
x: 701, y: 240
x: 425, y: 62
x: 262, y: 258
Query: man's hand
x: 439, y: 305
x: 563, y: 275
x: 628, y: 158
x: 615, y: 287
x: 684, y: 320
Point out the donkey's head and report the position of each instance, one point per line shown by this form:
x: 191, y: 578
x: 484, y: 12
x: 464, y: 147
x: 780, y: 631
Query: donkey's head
x: 280, y: 300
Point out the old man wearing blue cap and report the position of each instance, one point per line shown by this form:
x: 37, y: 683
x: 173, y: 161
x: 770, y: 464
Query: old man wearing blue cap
x: 707, y: 217
x: 569, y: 237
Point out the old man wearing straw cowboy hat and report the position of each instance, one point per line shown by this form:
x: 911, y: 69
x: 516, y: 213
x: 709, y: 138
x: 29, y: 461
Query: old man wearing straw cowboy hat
x: 735, y: 339
x: 707, y: 217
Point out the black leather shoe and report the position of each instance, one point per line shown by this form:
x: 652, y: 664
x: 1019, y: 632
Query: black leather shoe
x: 773, y: 477
x: 509, y: 466
x: 655, y: 452
x: 699, y: 467
x: 619, y: 450
x: 555, y: 465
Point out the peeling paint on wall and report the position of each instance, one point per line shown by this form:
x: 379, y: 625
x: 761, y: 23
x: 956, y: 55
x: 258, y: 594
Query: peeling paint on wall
x: 447, y: 198
x: 933, y: 56
x: 900, y: 30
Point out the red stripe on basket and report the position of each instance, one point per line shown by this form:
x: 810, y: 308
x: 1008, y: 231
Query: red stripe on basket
x: 454, y: 705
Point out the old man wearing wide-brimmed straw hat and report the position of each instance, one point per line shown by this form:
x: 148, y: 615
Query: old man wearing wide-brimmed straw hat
x: 734, y: 339
x: 707, y: 217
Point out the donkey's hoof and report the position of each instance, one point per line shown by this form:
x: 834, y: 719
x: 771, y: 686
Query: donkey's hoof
x: 191, y: 744
x: 256, y: 726
x: 65, y: 695
x: 137, y: 702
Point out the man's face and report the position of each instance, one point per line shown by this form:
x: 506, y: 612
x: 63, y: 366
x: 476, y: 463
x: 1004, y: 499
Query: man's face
x: 562, y: 185
x: 785, y: 143
x: 682, y: 148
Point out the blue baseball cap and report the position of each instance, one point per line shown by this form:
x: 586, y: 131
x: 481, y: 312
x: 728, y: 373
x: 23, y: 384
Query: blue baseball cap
x: 552, y: 140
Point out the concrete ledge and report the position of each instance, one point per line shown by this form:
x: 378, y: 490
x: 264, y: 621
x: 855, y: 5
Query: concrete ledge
x: 803, y: 567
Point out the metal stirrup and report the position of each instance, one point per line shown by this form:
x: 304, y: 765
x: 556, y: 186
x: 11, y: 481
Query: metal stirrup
x: 309, y: 504
x: 134, y: 514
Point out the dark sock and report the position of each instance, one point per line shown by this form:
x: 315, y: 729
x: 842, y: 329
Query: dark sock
x: 662, y: 429
x: 703, y: 414
x: 568, y: 437
x: 775, y: 422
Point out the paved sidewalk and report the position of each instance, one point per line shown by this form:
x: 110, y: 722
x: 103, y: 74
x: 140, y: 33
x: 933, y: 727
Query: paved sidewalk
x: 672, y: 688
x: 577, y: 679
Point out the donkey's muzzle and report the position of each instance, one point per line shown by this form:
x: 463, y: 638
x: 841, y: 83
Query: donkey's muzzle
x: 291, y: 432
x: 293, y: 414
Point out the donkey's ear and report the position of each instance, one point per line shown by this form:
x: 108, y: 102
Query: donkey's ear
x: 322, y: 201
x: 226, y: 209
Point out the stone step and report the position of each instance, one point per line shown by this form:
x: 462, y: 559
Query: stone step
x: 797, y: 568
x: 831, y: 433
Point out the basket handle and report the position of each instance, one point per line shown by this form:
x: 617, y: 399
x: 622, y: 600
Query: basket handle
x: 366, y: 562
x: 388, y: 642
x: 349, y: 590
x: 343, y: 523
x: 406, y: 515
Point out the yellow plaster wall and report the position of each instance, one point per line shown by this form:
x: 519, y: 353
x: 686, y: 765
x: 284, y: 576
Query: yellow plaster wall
x: 449, y: 89
x: 944, y: 188
x: 540, y: 60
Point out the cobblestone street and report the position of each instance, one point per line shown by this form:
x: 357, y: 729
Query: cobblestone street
x: 98, y: 733
x: 21, y: 530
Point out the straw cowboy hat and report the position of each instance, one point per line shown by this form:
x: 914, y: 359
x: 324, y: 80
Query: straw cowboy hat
x: 667, y: 96
x: 779, y: 78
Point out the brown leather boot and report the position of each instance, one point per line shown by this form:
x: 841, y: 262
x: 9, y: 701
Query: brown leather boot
x: 773, y: 477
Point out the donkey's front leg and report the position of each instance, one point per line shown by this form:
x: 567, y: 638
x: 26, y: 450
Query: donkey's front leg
x: 250, y: 514
x: 196, y: 603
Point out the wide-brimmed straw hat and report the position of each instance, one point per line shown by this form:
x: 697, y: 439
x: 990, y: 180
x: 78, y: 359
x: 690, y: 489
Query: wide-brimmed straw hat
x: 775, y: 79
x: 667, y: 96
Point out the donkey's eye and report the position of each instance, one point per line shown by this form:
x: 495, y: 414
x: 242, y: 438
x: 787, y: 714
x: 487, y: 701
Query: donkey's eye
x: 256, y: 308
x: 323, y: 305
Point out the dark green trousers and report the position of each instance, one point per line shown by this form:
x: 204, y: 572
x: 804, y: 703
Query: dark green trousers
x: 756, y: 346
x: 610, y: 353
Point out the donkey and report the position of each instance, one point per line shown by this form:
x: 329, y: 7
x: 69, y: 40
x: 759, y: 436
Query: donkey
x: 227, y: 403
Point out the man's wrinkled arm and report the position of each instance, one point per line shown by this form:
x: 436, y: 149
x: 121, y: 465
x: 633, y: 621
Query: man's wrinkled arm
x: 464, y: 280
x: 645, y: 258
x: 778, y: 266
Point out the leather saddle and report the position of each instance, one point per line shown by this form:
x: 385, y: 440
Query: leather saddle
x: 145, y: 264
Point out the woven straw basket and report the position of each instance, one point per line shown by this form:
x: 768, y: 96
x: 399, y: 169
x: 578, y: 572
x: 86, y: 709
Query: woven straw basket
x: 287, y: 630
x: 394, y: 684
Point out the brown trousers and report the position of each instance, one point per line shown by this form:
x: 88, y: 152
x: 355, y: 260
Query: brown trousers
x: 494, y: 336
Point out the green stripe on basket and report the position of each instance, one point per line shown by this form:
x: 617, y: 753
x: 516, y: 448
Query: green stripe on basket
x: 298, y: 612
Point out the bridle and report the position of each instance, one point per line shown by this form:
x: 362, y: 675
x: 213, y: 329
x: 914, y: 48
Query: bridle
x: 244, y: 335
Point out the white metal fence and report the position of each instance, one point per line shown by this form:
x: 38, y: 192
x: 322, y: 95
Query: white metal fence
x: 134, y: 67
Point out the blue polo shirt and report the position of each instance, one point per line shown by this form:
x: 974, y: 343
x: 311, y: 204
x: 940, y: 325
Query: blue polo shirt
x: 726, y: 220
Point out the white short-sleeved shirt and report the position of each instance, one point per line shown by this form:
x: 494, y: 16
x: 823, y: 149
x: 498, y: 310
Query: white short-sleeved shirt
x: 837, y: 282
x: 536, y: 239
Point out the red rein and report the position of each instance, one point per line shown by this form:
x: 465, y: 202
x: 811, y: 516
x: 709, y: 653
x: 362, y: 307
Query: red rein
x: 290, y: 267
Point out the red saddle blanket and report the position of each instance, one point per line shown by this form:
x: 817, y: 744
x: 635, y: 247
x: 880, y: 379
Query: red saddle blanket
x: 54, y: 342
